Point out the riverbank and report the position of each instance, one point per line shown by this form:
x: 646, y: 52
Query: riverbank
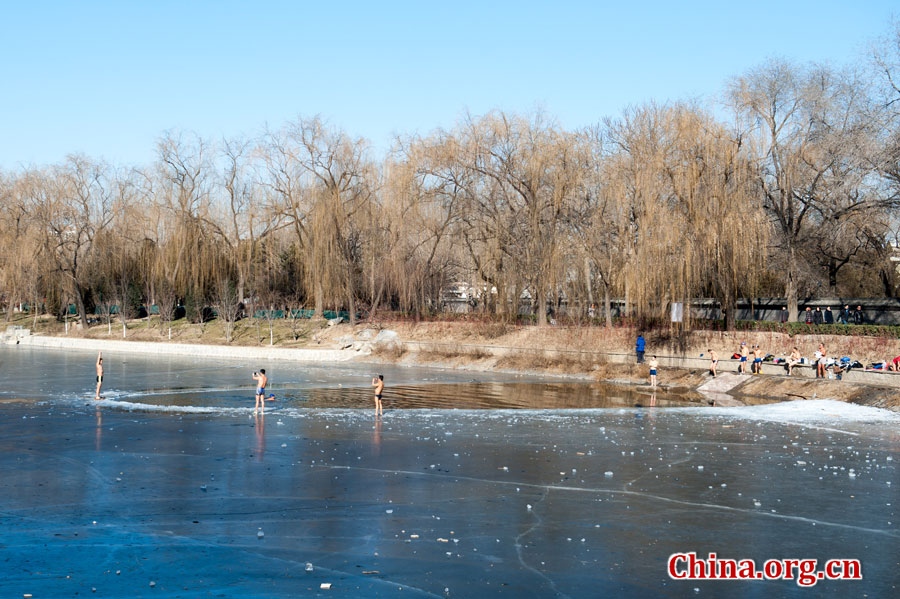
x: 597, y: 353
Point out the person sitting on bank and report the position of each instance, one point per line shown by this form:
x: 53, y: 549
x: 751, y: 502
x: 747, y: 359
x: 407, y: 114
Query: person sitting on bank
x: 794, y: 360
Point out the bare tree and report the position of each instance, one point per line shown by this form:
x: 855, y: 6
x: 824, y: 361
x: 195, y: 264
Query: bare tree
x: 228, y: 305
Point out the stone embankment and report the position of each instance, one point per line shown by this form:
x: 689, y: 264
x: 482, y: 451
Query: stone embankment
x: 13, y: 335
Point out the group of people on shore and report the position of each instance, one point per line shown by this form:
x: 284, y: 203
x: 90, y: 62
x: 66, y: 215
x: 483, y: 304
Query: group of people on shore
x: 822, y: 362
x: 826, y: 316
x: 825, y: 365
x: 261, y: 380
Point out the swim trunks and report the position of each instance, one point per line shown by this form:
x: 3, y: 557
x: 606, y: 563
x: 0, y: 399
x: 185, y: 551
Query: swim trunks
x: 378, y: 396
x: 652, y: 372
x: 260, y: 390
x: 743, y: 358
x: 99, y: 379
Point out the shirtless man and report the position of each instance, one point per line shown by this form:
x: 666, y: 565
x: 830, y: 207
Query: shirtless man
x: 654, y: 367
x: 378, y: 383
x: 261, y: 382
x: 713, y: 362
x: 757, y: 360
x: 743, y: 365
x: 793, y: 360
x: 99, y: 375
x: 822, y: 358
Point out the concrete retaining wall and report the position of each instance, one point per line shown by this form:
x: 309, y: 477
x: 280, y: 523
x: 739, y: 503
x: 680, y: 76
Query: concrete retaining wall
x: 183, y: 349
x: 875, y: 310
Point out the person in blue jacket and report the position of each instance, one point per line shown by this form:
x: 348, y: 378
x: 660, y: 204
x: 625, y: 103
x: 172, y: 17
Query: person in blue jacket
x: 639, y: 348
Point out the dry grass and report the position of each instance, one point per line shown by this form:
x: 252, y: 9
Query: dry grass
x: 567, y: 362
x: 438, y: 354
x: 390, y: 351
x: 491, y: 330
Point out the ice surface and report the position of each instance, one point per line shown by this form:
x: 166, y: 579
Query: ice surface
x: 396, y: 507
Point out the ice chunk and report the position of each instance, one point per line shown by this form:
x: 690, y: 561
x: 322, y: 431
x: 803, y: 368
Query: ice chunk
x: 309, y: 567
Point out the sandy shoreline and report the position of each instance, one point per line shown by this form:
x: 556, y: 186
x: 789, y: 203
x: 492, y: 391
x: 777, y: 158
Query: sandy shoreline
x: 185, y: 349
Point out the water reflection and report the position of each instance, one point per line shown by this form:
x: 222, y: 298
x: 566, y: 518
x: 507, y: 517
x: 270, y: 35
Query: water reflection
x: 376, y: 437
x: 473, y: 396
x: 470, y: 396
x: 98, y: 433
x: 259, y: 423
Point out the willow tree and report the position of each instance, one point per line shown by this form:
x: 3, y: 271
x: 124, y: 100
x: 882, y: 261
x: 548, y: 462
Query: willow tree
x: 808, y: 129
x: 343, y: 181
x: 72, y: 204
x: 242, y: 216
x: 423, y: 201
x: 599, y: 219
x: 657, y: 267
x: 714, y: 183
x: 183, y: 187
x: 19, y: 241
x: 525, y: 175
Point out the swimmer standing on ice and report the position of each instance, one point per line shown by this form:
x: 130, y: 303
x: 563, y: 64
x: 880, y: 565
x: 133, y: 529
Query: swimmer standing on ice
x: 378, y: 383
x: 99, y: 375
x: 654, y: 366
x: 261, y: 382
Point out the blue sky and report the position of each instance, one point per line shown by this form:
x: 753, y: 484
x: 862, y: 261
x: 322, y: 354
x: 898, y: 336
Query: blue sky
x: 107, y: 78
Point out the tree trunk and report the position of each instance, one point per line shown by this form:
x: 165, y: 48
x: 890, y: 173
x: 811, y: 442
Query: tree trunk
x: 320, y: 301
x: 832, y: 277
x: 587, y: 281
x: 352, y: 304
x: 887, y: 279
x: 79, y: 301
x: 607, y: 305
x: 626, y: 308
x: 542, y: 308
x: 729, y: 310
x: 791, y: 286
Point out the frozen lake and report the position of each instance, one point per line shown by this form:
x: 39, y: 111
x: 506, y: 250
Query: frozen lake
x: 172, y: 479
